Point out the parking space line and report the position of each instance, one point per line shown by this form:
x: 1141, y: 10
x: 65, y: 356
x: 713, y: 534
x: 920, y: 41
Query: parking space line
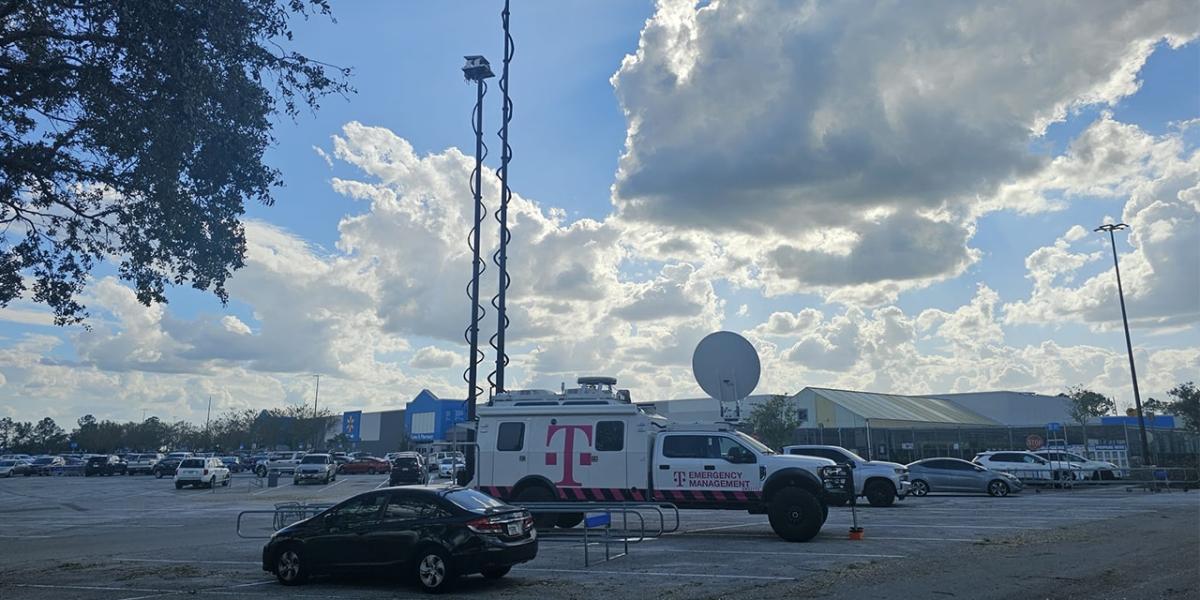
x: 769, y: 553
x: 657, y: 574
x: 329, y: 487
x: 714, y: 528
x: 920, y: 539
x: 173, y: 561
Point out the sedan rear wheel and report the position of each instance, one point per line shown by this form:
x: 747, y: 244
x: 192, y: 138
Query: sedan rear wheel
x: 998, y: 488
x: 434, y: 571
x: 919, y: 488
x: 289, y: 567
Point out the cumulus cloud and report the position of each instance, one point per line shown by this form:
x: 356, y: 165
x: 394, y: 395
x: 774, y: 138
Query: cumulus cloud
x: 432, y: 357
x: 770, y: 120
x: 1161, y: 176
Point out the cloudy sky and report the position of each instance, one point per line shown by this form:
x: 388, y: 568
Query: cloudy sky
x: 880, y: 195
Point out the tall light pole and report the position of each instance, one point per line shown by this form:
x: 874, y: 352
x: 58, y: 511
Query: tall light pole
x: 316, y: 397
x: 1137, y: 397
x: 477, y: 70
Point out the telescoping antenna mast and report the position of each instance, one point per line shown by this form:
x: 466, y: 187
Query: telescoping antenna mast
x: 478, y: 70
x: 496, y: 378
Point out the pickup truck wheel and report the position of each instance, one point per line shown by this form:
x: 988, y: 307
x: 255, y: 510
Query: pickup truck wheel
x: 158, y: 474
x: 919, y: 487
x: 568, y: 520
x: 261, y: 471
x: 880, y: 493
x: 794, y: 514
x: 539, y: 493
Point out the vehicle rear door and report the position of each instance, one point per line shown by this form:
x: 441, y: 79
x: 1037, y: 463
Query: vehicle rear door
x: 342, y: 539
x: 510, y: 458
x: 408, y: 519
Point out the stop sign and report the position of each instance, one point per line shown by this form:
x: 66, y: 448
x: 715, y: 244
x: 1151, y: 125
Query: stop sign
x: 1034, y: 442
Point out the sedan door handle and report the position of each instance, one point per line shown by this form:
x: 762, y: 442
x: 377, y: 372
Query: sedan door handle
x: 710, y: 467
x: 664, y: 467
x: 521, y: 458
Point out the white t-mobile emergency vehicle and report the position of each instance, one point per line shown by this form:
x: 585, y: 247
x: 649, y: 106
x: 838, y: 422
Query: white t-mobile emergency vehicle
x: 592, y: 444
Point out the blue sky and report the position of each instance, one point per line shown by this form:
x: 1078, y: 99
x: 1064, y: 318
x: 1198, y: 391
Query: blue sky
x: 570, y: 136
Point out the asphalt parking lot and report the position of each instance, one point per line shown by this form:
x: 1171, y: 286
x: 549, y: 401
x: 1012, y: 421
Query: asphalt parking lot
x: 126, y: 538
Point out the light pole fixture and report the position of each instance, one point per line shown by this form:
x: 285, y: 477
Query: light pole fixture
x: 1137, y: 397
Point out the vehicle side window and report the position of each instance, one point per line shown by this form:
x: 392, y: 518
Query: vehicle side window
x: 1005, y: 457
x: 804, y: 452
x: 359, y: 511
x: 1034, y: 460
x: 510, y: 437
x: 685, y: 446
x: 732, y: 451
x: 610, y: 436
x: 959, y: 466
x: 404, y: 508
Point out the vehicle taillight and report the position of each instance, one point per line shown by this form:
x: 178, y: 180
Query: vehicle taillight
x: 205, y: 472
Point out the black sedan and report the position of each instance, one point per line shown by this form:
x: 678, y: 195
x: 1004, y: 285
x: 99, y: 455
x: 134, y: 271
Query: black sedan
x: 434, y: 534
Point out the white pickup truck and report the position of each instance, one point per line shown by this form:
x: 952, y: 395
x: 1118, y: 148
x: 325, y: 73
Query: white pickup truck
x: 283, y: 462
x: 881, y: 482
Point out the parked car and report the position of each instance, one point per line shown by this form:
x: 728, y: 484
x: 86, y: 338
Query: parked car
x: 24, y: 468
x: 232, y: 463
x: 170, y: 463
x: 368, y: 465
x: 340, y: 458
x: 957, y: 475
x: 435, y: 459
x: 881, y: 482
x: 435, y: 534
x: 1084, y: 468
x: 284, y: 462
x: 315, y: 467
x: 104, y: 464
x: 408, y: 469
x: 198, y: 472
x: 142, y: 463
x: 449, y: 466
x: 44, y: 465
x: 7, y: 465
x: 1025, y: 465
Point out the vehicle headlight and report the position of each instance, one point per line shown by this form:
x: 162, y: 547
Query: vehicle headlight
x: 901, y: 470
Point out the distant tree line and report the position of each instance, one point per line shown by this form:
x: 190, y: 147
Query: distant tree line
x: 290, y: 427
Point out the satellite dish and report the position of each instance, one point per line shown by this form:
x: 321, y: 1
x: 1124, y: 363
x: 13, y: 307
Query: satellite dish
x: 726, y: 366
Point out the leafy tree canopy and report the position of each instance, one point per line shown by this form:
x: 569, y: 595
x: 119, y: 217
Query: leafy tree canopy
x: 135, y: 131
x: 1086, y: 404
x: 775, y: 421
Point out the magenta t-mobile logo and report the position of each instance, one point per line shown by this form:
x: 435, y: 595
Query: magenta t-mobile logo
x: 680, y: 477
x: 568, y: 453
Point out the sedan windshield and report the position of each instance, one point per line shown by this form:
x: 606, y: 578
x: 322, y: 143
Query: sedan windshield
x: 314, y: 459
x: 43, y: 461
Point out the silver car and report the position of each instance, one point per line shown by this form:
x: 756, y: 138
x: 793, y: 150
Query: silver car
x: 956, y: 475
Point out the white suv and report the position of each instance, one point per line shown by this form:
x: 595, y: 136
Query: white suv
x: 1084, y: 468
x: 201, y: 472
x: 1025, y: 465
x: 881, y: 482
